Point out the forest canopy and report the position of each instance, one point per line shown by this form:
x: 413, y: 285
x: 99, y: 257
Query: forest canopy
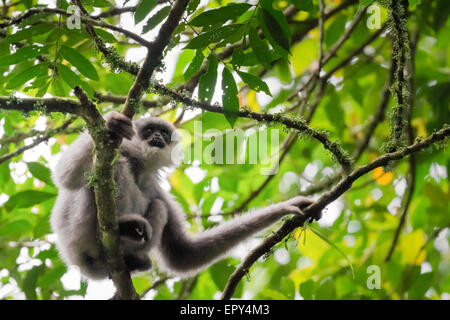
x: 343, y: 101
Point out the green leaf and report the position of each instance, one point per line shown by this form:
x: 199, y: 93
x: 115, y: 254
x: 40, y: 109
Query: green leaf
x: 435, y: 194
x: 230, y: 99
x: 143, y: 9
x: 420, y: 286
x: 234, y: 36
x: 27, y: 3
x: 335, y: 30
x: 30, y: 73
x: 260, y: 48
x: 44, y: 87
x: 57, y: 87
x: 305, y: 5
x: 270, y: 23
x: 326, y: 290
x: 184, y: 58
x: 334, y: 112
x: 307, y: 290
x: 221, y: 271
x: 101, y: 3
x: 156, y: 19
x: 195, y: 65
x: 18, y: 227
x: 254, y: 82
x: 221, y: 15
x: 52, y: 276
x: 271, y: 294
x: 24, y: 53
x: 73, y: 80
x: 213, y: 36
x: 30, y: 282
x: 365, y: 2
x: 79, y: 61
x: 207, y: 83
x: 414, y: 3
x: 51, y: 253
x: 40, y: 172
x: 38, y: 29
x: 283, y: 71
x: 344, y: 286
x: 288, y: 287
x: 26, y: 199
x: 321, y: 236
x: 193, y: 4
x: 204, y: 288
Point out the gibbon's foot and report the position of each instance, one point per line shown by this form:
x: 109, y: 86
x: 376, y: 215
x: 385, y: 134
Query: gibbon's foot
x: 137, y: 261
x: 135, y: 235
x: 120, y: 125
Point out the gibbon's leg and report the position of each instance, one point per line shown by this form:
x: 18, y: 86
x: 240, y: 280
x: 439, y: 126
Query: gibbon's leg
x: 138, y: 234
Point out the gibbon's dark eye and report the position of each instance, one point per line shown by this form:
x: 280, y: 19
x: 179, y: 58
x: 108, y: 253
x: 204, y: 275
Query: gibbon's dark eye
x: 165, y: 135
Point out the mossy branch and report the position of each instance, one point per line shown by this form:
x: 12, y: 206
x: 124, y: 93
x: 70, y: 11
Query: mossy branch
x: 272, y: 119
x: 401, y: 54
x: 105, y: 200
x: 343, y: 186
x: 103, y: 173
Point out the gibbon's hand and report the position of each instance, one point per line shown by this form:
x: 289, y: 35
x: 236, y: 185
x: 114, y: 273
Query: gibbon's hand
x: 297, y: 204
x: 120, y: 125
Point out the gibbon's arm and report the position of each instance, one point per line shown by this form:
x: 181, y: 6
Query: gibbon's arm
x: 70, y: 172
x: 74, y: 163
x: 185, y: 255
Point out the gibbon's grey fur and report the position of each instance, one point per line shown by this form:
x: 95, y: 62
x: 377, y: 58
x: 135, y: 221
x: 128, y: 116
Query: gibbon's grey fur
x: 149, y: 217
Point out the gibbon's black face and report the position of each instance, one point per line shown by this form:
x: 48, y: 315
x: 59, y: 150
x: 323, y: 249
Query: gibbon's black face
x: 156, y: 135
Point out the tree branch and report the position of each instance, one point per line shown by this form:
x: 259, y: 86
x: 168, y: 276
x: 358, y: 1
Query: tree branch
x: 85, y: 18
x: 296, y: 37
x: 344, y: 185
x: 42, y: 138
x: 118, y: 11
x: 154, y: 56
x: 412, y: 159
x: 103, y: 175
x: 291, y: 123
x: 101, y: 98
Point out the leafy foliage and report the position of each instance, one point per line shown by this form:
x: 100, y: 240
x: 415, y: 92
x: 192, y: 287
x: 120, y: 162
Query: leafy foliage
x: 244, y: 56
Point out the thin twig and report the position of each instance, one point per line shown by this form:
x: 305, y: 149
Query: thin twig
x: 85, y: 18
x: 290, y: 123
x: 43, y: 138
x: 154, y: 56
x: 154, y: 285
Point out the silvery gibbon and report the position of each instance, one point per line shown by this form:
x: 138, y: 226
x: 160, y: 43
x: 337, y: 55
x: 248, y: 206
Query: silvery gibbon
x: 149, y: 217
